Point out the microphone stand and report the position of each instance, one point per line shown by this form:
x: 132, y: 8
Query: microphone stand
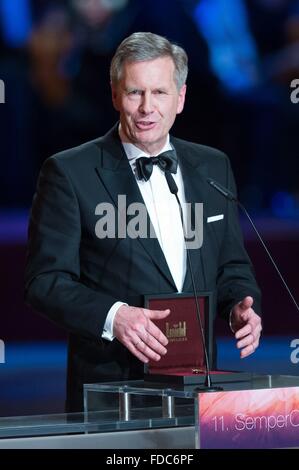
x: 207, y: 386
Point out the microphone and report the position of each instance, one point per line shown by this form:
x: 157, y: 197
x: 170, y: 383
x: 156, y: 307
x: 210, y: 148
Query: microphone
x: 229, y: 195
x: 208, y: 386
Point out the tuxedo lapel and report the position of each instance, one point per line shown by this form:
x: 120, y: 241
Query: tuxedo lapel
x: 194, y: 177
x: 116, y: 175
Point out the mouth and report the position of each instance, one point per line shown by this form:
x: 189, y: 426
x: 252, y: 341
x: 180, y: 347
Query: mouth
x: 145, y: 125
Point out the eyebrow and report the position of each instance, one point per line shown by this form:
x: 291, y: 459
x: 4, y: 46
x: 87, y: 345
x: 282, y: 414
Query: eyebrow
x: 131, y: 88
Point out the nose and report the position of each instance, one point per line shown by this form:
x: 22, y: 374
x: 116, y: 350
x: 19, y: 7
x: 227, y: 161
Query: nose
x: 146, y: 104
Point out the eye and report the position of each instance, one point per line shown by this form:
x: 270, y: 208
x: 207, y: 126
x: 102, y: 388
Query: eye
x: 134, y: 92
x: 160, y: 92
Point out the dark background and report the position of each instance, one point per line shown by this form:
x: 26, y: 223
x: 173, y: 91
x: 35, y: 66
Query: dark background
x: 54, y: 61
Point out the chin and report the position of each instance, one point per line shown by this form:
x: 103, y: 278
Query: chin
x: 148, y: 137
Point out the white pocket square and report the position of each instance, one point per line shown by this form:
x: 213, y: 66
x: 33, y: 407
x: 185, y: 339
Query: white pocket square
x: 214, y: 218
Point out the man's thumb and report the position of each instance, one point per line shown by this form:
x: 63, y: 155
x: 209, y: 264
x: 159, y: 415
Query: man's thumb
x: 246, y: 303
x: 158, y: 314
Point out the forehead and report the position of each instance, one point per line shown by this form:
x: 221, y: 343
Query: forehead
x: 149, y: 72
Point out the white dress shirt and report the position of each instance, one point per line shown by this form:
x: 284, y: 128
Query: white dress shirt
x: 163, y: 211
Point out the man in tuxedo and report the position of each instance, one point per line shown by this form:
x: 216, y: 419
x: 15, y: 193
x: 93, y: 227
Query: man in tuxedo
x: 94, y: 286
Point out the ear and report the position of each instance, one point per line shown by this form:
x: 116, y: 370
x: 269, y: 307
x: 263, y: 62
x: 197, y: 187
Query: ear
x: 181, y: 100
x: 114, y: 96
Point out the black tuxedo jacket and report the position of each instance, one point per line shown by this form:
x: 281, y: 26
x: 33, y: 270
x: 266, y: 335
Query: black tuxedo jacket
x: 73, y: 277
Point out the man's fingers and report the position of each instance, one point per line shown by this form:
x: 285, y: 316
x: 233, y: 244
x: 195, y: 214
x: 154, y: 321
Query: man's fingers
x: 154, y: 331
x: 247, y: 351
x: 133, y: 326
x: 155, y: 339
x: 142, y: 351
x: 249, y: 339
x: 135, y: 351
x: 250, y: 349
x: 250, y: 327
x: 249, y: 343
x: 246, y: 330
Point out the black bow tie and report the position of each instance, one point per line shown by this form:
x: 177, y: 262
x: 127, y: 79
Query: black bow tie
x: 166, y: 161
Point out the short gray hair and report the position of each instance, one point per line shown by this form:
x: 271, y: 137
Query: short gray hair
x: 140, y: 47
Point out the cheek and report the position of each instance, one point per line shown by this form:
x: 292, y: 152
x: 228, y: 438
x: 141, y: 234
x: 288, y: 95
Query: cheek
x: 172, y: 112
x: 130, y: 110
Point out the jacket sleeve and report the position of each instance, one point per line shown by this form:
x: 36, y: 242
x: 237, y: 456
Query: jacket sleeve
x: 236, y: 278
x: 52, y: 275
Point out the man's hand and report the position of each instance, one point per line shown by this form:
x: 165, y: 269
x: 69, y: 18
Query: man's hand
x: 247, y: 326
x: 134, y: 329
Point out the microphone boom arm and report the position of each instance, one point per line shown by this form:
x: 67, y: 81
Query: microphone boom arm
x: 229, y: 195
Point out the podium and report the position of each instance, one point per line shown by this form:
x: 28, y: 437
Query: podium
x: 148, y: 416
x: 262, y: 412
x: 134, y: 422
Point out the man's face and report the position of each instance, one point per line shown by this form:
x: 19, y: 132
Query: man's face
x: 148, y: 101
